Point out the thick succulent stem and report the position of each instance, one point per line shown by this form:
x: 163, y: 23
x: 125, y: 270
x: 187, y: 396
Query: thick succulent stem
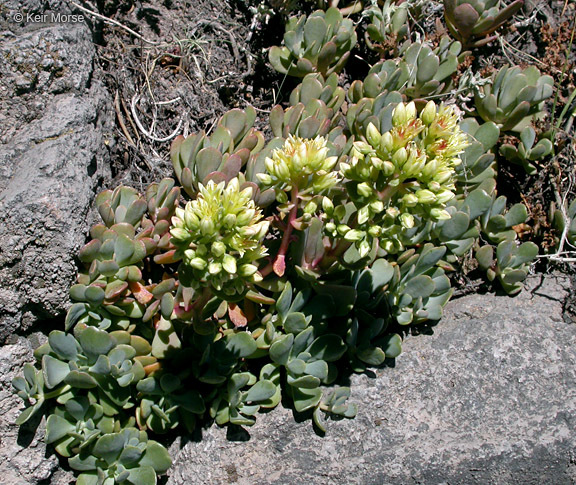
x: 279, y: 265
x: 200, y: 302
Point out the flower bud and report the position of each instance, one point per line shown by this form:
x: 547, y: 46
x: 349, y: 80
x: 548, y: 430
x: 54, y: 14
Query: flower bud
x: 179, y: 234
x: 364, y: 189
x: 376, y: 162
x: 310, y: 207
x: 247, y: 270
x: 198, y: 263
x: 245, y: 217
x: 324, y: 182
x: 444, y: 196
x: 230, y: 220
x: 399, y: 115
x: 377, y: 206
x: 218, y: 249
x: 407, y: 220
x: 282, y: 170
x: 373, y: 135
x: 344, y: 169
x: 264, y: 178
x: 363, y: 147
x: 388, y: 168
x: 179, y: 212
x: 206, y: 227
x: 410, y: 111
x: 364, y: 249
x: 363, y: 215
x: 425, y: 196
x: 410, y: 200
x: 428, y: 113
x: 229, y: 264
x: 330, y: 227
x: 214, y: 268
x: 440, y: 214
x: 354, y: 235
x: 375, y: 231
x: 329, y: 163
x: 443, y: 176
x: 386, y: 142
x: 327, y: 205
x: 400, y: 157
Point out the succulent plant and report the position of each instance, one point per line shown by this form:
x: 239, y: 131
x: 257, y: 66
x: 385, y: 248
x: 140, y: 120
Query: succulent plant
x: 320, y: 43
x: 513, y: 97
x: 127, y: 456
x: 498, y: 222
x: 235, y: 406
x: 384, y: 76
x: 478, y: 162
x: 220, y: 157
x: 305, y: 121
x: 511, y: 265
x: 430, y: 70
x: 166, y: 404
x: 368, y: 338
x: 387, y: 23
x: 527, y: 150
x: 219, y: 237
x: 305, y: 356
x: 315, y: 87
x: 95, y: 359
x: 472, y: 21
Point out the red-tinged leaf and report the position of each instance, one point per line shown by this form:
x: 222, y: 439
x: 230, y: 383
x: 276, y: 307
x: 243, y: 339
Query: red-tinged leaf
x: 168, y: 257
x: 148, y: 230
x: 161, y: 228
x: 90, y: 251
x: 182, y: 314
x: 279, y: 265
x: 259, y: 298
x: 249, y: 310
x: 236, y: 315
x: 150, y: 245
x: 142, y: 295
x: 115, y: 289
x: 164, y: 242
x: 187, y: 295
x: 151, y: 311
x: 163, y: 213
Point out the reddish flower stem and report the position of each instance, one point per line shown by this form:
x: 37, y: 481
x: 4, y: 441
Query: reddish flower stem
x: 279, y: 265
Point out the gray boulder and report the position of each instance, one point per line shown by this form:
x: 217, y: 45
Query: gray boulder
x: 55, y: 118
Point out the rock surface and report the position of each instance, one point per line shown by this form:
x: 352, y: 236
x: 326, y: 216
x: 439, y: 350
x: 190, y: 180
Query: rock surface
x: 54, y: 120
x: 490, y: 397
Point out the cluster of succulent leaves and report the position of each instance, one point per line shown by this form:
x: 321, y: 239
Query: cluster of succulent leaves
x: 270, y: 269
